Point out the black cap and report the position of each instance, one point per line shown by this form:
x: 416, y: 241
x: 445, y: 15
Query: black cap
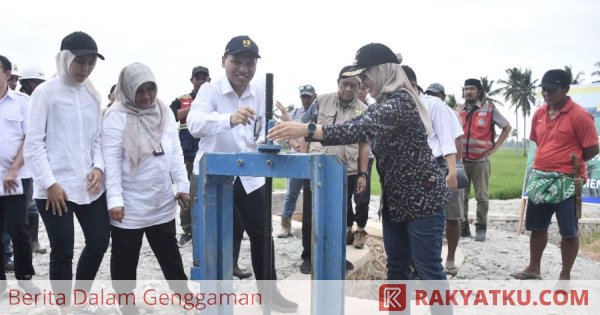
x: 474, y: 82
x: 410, y: 73
x: 555, y: 78
x: 80, y: 44
x: 240, y: 44
x: 344, y: 70
x: 370, y: 55
x: 200, y: 69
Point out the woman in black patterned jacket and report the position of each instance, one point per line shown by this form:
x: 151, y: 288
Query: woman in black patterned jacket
x: 413, y: 188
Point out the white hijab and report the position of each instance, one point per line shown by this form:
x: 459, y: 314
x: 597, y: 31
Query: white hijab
x: 145, y: 126
x: 63, y: 61
x: 388, y: 78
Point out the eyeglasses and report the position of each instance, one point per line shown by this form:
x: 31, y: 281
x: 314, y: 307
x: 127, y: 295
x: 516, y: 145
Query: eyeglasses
x: 307, y: 87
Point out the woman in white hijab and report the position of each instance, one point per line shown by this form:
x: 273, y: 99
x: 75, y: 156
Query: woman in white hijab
x: 62, y: 150
x: 143, y: 158
x: 413, y: 188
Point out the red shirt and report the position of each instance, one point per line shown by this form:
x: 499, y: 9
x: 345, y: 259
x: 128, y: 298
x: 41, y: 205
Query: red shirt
x: 569, y: 132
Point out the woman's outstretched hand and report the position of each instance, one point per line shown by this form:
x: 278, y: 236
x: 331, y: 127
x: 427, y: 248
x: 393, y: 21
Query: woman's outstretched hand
x: 288, y: 130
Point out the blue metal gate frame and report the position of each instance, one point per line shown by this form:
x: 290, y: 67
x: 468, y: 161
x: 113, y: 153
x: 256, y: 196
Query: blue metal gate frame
x: 212, y: 218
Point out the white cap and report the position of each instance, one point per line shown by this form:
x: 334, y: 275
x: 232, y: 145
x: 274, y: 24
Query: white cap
x: 33, y: 72
x: 15, y: 69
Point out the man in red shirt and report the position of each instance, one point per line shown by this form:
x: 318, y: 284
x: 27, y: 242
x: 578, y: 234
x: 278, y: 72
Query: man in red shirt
x: 560, y: 128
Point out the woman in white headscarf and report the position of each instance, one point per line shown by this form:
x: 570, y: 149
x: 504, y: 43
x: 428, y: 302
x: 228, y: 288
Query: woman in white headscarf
x: 413, y: 188
x: 143, y: 158
x: 62, y: 150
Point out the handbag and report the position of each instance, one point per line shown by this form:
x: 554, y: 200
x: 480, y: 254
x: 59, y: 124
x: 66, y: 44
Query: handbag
x: 461, y: 176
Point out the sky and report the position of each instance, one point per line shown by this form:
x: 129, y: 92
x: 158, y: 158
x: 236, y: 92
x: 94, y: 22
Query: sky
x: 308, y: 42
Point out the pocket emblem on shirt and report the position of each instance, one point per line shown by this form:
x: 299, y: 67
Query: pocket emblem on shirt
x: 481, y: 122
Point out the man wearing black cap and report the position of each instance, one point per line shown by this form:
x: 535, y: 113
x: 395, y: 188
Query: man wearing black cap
x: 181, y: 107
x: 229, y: 116
x: 479, y: 143
x: 566, y: 137
x: 330, y: 109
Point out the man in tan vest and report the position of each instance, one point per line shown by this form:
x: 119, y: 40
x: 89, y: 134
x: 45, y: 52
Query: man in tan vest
x: 337, y: 108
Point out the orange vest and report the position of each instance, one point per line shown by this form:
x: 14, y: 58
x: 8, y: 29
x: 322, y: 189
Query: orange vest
x: 478, y: 128
x: 184, y: 102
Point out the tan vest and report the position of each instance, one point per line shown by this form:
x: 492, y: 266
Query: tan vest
x: 332, y: 113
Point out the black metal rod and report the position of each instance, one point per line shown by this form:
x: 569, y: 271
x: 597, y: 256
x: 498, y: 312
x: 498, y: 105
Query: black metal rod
x: 267, y: 219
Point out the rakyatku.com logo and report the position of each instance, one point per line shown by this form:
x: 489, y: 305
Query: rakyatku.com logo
x: 392, y: 297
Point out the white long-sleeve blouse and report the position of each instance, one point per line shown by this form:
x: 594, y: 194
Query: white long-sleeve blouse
x: 147, y: 194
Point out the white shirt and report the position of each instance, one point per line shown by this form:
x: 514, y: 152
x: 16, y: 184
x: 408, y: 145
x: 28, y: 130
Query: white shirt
x: 14, y: 109
x: 446, y: 126
x: 63, y: 140
x: 146, y: 195
x: 209, y: 120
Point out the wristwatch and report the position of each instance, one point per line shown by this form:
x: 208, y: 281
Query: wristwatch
x: 312, y: 127
x: 363, y: 174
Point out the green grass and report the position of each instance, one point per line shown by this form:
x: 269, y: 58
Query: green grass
x: 506, y: 182
x: 508, y: 172
x: 279, y: 183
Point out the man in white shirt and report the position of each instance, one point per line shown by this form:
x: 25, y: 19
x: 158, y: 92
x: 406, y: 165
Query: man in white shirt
x: 14, y: 108
x: 228, y: 115
x: 455, y: 207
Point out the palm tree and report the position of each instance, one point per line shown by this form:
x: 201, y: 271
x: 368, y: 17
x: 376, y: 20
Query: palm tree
x: 575, y: 79
x: 520, y: 91
x: 487, y: 86
x: 451, y: 101
x: 597, y: 72
x: 526, y: 100
x: 510, y: 92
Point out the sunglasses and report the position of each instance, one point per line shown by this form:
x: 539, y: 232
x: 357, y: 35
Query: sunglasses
x: 306, y: 88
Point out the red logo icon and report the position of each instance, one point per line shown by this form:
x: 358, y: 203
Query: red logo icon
x: 392, y: 297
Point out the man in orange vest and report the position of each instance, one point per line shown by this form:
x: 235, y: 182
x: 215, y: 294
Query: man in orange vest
x: 479, y: 119
x: 181, y: 106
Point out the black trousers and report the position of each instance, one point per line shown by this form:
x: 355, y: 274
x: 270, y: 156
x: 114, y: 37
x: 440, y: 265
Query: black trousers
x: 93, y: 219
x: 362, y: 201
x: 125, y: 254
x: 13, y: 212
x: 249, y: 208
x: 307, y: 213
